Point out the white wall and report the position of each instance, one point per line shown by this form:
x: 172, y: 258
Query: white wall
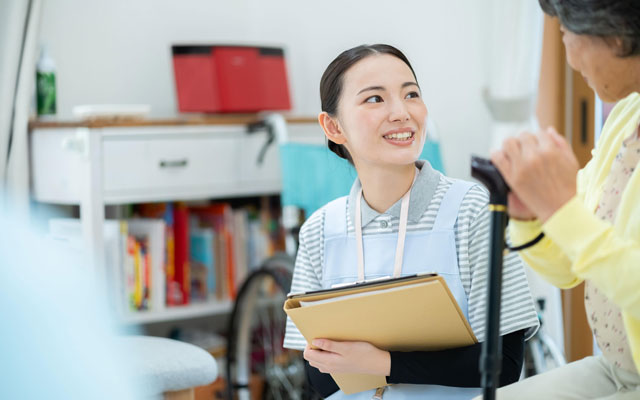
x: 118, y: 51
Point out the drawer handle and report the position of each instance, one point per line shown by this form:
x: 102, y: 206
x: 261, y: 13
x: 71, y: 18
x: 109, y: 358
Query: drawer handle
x: 173, y: 163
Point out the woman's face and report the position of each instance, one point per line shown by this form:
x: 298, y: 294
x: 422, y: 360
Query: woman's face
x: 611, y: 76
x: 381, y: 113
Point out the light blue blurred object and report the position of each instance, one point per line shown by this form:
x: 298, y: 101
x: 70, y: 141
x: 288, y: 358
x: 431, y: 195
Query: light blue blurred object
x: 59, y: 339
x: 56, y: 338
x: 312, y: 175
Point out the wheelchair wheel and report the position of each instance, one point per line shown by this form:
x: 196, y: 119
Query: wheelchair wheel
x: 256, y: 334
x: 541, y: 353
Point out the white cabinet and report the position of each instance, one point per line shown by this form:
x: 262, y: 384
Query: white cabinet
x: 94, y: 166
x: 141, y: 164
x: 172, y: 164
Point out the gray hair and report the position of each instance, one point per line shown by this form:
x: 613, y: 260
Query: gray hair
x: 602, y: 18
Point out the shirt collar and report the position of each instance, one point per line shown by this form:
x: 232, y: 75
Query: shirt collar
x: 421, y: 193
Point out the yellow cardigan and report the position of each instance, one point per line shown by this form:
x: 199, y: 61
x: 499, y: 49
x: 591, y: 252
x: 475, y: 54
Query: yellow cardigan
x: 579, y: 246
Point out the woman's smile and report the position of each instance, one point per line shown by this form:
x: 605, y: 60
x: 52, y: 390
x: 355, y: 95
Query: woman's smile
x: 400, y: 137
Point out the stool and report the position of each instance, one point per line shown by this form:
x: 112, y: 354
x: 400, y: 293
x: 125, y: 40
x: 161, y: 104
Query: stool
x: 168, y: 369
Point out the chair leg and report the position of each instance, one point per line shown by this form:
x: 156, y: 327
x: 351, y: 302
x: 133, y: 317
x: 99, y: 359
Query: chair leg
x: 187, y: 394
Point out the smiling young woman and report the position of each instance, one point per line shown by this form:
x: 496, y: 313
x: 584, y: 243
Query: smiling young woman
x: 373, y: 115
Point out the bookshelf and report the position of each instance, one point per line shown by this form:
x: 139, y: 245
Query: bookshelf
x: 96, y: 163
x: 177, y: 313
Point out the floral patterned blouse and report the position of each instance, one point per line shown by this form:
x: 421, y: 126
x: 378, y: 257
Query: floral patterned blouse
x: 605, y: 317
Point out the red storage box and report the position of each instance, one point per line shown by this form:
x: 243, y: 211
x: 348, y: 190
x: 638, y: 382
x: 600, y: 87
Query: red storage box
x: 230, y: 79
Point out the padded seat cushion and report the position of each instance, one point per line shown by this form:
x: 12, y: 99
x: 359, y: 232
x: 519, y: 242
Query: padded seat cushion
x: 163, y: 365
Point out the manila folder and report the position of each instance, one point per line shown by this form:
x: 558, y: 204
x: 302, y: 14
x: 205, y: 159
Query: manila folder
x: 408, y: 315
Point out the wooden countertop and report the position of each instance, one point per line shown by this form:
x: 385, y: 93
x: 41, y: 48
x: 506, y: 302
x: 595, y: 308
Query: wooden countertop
x: 198, y: 119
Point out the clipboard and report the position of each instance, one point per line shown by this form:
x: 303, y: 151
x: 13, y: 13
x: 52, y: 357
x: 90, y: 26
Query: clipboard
x: 412, y: 313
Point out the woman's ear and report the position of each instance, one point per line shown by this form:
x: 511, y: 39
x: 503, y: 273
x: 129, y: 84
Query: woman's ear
x: 331, y: 128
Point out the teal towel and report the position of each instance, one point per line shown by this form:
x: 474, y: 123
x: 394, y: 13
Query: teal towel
x: 431, y: 153
x: 312, y: 175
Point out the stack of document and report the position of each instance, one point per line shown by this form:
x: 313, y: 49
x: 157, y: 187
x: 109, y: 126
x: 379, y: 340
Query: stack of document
x: 415, y: 313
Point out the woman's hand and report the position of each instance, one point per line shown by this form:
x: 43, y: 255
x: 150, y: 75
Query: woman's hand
x: 541, y: 171
x: 348, y: 357
x: 517, y: 209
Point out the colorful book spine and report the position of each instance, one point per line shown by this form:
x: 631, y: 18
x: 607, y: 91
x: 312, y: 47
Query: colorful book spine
x: 173, y: 293
x: 181, y: 252
x: 138, y: 274
x: 202, y: 263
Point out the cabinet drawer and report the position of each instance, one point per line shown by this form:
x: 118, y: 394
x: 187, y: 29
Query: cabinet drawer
x: 146, y: 164
x: 169, y: 164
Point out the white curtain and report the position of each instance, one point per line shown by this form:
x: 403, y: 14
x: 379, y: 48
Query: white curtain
x: 19, y: 24
x: 515, y: 48
x: 511, y: 94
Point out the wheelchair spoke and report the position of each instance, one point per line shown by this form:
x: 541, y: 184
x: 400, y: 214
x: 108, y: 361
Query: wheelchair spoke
x: 260, y: 323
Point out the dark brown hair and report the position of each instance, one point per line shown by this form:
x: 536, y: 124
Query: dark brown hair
x: 332, y: 81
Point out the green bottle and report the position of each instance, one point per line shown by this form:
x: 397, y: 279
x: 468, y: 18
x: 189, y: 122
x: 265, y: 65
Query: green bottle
x: 46, y: 84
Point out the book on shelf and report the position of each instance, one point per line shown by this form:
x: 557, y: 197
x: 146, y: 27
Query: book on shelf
x: 173, y: 254
x: 176, y: 248
x: 219, y: 217
x: 203, y: 267
x: 150, y: 234
x: 182, y: 276
x: 165, y: 212
x: 242, y: 241
x: 134, y: 260
x: 240, y: 245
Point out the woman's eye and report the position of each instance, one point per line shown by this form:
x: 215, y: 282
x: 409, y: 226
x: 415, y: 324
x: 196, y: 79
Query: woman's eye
x: 373, y: 99
x: 412, y: 95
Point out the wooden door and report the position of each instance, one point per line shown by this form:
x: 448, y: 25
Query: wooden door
x: 567, y: 103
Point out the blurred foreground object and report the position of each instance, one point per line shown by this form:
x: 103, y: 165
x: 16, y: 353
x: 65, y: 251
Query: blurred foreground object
x: 57, y: 340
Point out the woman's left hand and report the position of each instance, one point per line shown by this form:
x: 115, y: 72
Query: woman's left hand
x: 348, y: 357
x: 540, y: 169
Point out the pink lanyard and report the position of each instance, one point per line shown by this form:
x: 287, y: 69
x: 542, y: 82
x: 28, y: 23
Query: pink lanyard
x: 402, y: 233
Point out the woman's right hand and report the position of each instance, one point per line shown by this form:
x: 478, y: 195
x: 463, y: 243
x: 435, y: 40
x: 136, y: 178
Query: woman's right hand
x: 330, y: 356
x: 517, y: 209
x: 541, y: 169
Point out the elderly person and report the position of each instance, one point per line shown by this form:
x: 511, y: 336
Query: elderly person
x: 591, y: 217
